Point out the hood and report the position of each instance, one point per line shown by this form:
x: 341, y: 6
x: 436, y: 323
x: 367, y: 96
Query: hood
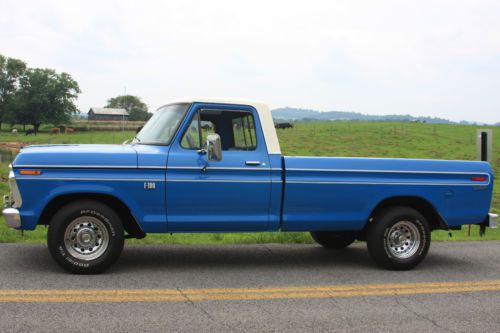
x: 77, y: 155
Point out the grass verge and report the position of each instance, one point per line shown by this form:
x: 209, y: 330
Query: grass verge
x: 39, y: 235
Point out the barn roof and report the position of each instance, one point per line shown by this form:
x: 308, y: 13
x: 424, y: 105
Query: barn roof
x: 109, y: 111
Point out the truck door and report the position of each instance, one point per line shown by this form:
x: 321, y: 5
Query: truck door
x: 232, y: 194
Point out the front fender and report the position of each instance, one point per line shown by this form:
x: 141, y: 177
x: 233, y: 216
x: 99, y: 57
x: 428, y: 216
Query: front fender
x: 148, y: 207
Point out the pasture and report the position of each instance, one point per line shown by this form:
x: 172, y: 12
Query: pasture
x: 357, y: 139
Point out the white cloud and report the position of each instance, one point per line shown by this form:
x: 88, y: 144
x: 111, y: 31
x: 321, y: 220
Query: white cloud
x: 437, y: 58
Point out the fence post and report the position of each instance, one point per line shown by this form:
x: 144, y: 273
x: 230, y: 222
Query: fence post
x: 484, y: 144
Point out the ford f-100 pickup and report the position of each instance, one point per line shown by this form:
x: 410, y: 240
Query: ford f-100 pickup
x: 205, y: 165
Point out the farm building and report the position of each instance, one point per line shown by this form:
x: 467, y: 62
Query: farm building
x: 107, y: 114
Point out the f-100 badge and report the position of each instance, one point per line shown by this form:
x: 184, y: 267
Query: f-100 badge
x: 149, y: 185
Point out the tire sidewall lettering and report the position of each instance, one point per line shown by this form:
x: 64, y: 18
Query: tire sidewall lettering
x: 386, y: 243
x: 423, y: 235
x: 62, y: 250
x: 76, y: 263
x: 109, y: 225
x: 101, y: 217
x: 86, y: 212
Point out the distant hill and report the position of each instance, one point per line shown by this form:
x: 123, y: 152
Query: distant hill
x: 314, y: 115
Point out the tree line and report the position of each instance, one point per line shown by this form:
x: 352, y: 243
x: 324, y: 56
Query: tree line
x: 32, y: 96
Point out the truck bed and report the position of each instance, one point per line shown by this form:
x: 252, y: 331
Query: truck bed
x: 332, y: 193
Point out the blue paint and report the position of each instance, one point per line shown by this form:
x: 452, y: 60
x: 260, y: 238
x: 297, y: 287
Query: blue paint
x: 235, y: 198
x: 281, y: 193
x: 341, y: 193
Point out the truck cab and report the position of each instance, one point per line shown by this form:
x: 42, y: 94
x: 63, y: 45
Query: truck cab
x: 233, y: 189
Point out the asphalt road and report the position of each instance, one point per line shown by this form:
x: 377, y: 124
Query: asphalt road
x: 253, y: 288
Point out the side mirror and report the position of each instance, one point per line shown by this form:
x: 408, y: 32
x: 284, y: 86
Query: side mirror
x: 214, y: 149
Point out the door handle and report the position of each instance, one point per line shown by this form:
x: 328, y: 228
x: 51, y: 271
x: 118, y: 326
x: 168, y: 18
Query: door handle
x: 252, y: 163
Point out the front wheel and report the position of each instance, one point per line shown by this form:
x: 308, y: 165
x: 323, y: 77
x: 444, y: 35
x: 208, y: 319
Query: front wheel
x: 398, y: 238
x: 85, y: 237
x: 335, y: 240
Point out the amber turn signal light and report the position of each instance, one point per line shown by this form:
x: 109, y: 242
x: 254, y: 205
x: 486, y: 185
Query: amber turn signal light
x: 30, y: 172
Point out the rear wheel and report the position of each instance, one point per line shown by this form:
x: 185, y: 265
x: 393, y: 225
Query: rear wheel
x: 85, y: 237
x: 335, y: 240
x: 398, y: 238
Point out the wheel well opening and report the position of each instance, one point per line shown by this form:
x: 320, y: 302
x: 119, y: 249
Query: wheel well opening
x: 422, y: 205
x: 129, y: 222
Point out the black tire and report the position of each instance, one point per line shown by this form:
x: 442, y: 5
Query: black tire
x: 398, y: 238
x: 335, y: 240
x: 87, y: 224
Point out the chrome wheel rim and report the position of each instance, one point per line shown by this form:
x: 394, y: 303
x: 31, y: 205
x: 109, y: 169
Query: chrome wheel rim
x: 403, y: 240
x: 86, y: 238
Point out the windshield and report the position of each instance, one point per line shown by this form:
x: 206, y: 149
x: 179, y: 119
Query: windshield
x: 162, y: 126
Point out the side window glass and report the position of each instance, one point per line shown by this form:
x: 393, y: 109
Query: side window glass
x: 207, y: 127
x: 191, y: 138
x: 197, y: 132
x: 235, y: 128
x: 244, y: 132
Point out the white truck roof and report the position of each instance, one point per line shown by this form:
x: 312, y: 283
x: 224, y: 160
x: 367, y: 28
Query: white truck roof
x: 266, y: 120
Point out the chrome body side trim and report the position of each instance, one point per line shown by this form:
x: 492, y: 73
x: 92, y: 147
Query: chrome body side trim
x: 392, y: 171
x: 94, y: 179
x: 142, y: 167
x: 382, y: 183
x: 66, y: 166
x: 154, y: 180
x: 251, y: 168
x: 222, y: 181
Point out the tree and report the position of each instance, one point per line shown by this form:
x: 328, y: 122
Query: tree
x: 137, y: 110
x: 11, y: 70
x: 45, y: 96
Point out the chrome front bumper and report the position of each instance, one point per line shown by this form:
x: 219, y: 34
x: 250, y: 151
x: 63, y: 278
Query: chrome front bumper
x: 493, y: 221
x: 12, y: 217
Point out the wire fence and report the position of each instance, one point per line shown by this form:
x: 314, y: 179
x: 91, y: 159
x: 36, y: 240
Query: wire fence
x: 105, y: 125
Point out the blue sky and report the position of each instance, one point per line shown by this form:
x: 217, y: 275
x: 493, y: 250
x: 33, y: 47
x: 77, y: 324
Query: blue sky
x: 425, y: 58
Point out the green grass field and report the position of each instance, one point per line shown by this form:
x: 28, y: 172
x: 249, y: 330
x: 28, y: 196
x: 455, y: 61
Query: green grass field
x: 356, y: 139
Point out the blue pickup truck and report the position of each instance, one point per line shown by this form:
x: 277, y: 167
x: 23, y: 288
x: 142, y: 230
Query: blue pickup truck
x: 205, y: 165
